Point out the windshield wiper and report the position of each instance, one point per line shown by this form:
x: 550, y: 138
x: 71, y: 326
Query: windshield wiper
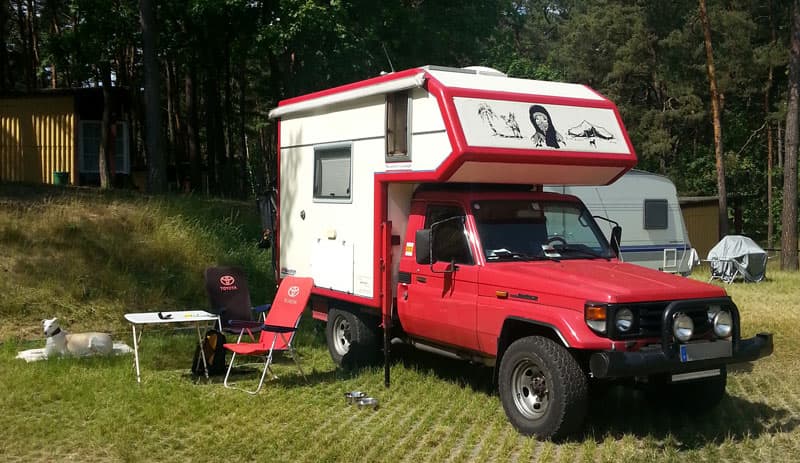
x: 504, y: 254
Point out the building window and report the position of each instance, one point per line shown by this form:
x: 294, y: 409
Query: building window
x: 333, y: 173
x: 656, y: 214
x: 89, y: 145
x: 397, y: 126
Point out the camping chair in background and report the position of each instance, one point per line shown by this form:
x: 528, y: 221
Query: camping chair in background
x: 278, y: 329
x: 737, y: 256
x: 229, y: 295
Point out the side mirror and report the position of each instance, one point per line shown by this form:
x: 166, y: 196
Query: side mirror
x: 424, y: 253
x: 616, y: 239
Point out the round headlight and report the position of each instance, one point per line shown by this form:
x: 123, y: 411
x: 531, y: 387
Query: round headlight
x: 723, y: 324
x: 682, y: 327
x: 624, y: 320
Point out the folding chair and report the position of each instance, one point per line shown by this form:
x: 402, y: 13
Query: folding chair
x: 737, y: 256
x: 229, y: 295
x: 278, y: 329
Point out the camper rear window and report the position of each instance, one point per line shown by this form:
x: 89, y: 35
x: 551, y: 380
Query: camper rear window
x: 655, y: 214
x: 332, y: 173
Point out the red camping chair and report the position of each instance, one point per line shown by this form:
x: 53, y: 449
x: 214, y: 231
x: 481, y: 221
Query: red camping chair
x: 278, y: 329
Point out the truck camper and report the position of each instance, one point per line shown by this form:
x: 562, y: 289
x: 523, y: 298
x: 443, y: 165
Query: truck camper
x: 415, y: 202
x: 646, y: 206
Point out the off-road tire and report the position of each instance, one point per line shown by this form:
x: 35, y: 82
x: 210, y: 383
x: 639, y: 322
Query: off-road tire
x: 352, y: 338
x: 543, y: 389
x: 698, y: 396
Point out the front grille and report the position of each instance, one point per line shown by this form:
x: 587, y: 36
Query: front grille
x: 648, y: 318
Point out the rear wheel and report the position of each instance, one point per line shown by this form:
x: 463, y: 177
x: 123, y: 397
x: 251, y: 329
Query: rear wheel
x: 542, y: 388
x: 352, y: 338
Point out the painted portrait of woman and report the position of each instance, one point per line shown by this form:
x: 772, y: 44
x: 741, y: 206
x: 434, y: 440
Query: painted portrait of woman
x: 544, y: 131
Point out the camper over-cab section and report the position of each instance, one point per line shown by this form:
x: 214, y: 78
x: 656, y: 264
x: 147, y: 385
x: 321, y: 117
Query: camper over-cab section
x: 346, y: 149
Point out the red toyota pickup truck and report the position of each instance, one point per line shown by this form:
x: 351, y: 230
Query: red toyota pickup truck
x: 526, y: 282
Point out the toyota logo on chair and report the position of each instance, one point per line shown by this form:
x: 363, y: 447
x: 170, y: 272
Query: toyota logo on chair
x: 227, y: 283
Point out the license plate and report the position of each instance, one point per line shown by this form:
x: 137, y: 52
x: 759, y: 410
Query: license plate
x: 705, y: 351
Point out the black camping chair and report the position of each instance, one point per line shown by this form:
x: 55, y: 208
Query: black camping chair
x: 230, y: 298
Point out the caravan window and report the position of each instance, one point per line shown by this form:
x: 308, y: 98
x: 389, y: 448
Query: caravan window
x: 655, y: 214
x: 332, y: 173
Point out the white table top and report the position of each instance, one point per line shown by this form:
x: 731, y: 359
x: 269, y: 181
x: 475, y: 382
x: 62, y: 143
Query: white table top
x: 179, y: 316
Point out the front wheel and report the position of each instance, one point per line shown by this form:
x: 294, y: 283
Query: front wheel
x: 543, y: 389
x: 352, y: 338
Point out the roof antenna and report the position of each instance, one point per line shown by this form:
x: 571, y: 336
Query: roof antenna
x: 387, y: 56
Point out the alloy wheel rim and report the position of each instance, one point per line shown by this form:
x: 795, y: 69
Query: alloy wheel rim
x: 341, y: 335
x: 529, y: 389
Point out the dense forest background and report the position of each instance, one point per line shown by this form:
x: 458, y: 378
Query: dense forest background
x: 222, y: 64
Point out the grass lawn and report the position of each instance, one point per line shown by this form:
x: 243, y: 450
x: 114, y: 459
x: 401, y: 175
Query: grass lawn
x: 89, y: 258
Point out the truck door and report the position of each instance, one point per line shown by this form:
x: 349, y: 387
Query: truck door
x: 441, y: 300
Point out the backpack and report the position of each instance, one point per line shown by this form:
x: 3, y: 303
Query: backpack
x: 213, y: 351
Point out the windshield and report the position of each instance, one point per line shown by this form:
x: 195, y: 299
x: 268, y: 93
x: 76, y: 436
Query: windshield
x: 532, y: 230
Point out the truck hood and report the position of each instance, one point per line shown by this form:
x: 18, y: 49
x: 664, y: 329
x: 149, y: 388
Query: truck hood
x: 594, y: 280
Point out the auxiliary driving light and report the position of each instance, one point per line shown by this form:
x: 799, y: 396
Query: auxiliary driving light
x: 683, y: 327
x: 723, y: 324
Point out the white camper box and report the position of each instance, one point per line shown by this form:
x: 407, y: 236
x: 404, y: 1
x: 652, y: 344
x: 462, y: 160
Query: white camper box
x: 646, y: 206
x: 351, y: 157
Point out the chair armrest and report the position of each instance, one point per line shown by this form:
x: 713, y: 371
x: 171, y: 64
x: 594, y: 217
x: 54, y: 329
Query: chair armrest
x: 244, y: 324
x: 278, y: 329
x: 262, y: 308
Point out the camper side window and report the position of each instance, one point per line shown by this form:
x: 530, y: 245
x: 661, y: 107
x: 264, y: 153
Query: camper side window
x: 332, y: 173
x: 397, y: 127
x: 655, y: 214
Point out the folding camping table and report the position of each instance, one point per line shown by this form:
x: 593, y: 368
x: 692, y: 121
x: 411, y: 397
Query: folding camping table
x: 159, y: 318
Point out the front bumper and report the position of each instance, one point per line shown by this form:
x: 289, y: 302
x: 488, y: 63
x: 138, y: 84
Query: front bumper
x: 646, y: 362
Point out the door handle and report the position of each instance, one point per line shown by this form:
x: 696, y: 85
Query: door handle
x: 422, y: 279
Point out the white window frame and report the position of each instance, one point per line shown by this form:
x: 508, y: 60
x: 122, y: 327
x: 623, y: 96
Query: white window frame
x: 322, y: 150
x: 126, y: 155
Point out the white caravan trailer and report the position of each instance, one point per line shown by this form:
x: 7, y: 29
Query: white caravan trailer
x: 646, y: 206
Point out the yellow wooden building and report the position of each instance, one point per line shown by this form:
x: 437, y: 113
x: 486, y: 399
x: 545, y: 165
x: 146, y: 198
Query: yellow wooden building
x: 53, y: 136
x: 700, y: 214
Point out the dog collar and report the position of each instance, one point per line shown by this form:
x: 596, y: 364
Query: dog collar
x: 58, y: 330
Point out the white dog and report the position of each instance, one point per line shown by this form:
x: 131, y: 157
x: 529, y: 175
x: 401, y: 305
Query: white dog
x: 78, y: 344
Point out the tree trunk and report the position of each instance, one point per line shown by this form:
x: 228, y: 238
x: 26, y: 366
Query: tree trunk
x: 717, y: 120
x: 156, y: 179
x: 106, y: 138
x: 789, y: 213
x: 770, y: 224
x: 33, y: 35
x: 245, y: 159
x: 767, y: 93
x: 23, y: 36
x: 192, y: 140
x: 5, y: 14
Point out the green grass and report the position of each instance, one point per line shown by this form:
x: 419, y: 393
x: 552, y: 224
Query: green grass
x: 89, y: 257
